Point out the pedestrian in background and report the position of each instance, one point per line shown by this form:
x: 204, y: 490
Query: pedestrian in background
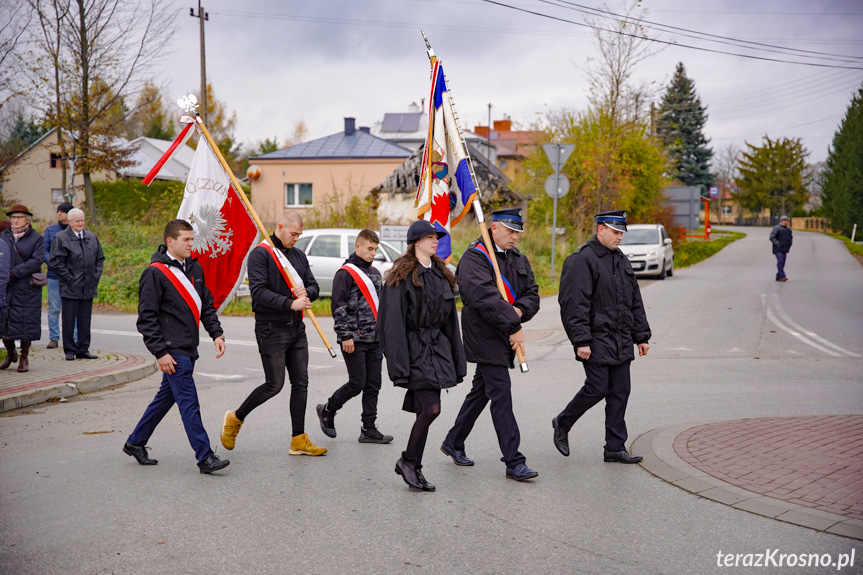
x: 5, y: 258
x: 172, y: 301
x: 356, y: 291
x: 603, y: 315
x: 781, y: 238
x: 23, y: 317
x: 77, y: 258
x: 418, y: 327
x: 55, y: 303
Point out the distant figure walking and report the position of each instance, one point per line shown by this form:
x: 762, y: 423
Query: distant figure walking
x: 781, y: 238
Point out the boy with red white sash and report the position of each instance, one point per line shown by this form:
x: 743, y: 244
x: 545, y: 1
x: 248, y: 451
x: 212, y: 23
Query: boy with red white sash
x: 172, y: 300
x: 356, y: 289
x: 280, y: 331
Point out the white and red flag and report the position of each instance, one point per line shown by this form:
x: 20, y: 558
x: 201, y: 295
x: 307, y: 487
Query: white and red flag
x: 225, y: 232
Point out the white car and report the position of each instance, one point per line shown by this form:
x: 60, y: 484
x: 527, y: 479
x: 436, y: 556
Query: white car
x: 328, y: 248
x: 649, y: 250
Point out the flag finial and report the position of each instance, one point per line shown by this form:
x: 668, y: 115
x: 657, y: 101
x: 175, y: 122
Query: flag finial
x: 189, y: 104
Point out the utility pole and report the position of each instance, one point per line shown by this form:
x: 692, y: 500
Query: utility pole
x: 653, y: 119
x: 202, y: 16
x: 488, y: 140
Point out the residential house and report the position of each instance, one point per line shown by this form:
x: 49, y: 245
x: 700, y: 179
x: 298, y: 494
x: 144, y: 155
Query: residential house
x: 512, y: 145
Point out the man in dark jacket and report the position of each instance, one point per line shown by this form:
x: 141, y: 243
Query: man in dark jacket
x: 356, y: 292
x: 55, y: 303
x: 77, y: 258
x: 280, y: 330
x: 5, y: 259
x: 781, y: 238
x: 603, y: 315
x: 492, y: 331
x: 172, y: 300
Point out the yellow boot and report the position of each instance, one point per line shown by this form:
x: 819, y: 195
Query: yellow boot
x: 300, y: 445
x: 230, y: 428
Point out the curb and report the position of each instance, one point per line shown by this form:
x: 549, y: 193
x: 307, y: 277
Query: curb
x: 80, y: 383
x: 660, y: 459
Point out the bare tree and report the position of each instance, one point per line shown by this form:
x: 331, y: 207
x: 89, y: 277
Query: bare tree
x: 15, y: 17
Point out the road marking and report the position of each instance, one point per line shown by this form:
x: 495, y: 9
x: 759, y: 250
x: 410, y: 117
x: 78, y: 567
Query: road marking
x: 778, y: 305
x: 680, y: 348
x: 219, y: 375
x: 796, y: 334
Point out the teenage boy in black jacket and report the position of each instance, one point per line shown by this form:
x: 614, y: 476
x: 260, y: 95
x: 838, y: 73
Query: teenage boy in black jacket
x: 356, y: 289
x: 172, y: 299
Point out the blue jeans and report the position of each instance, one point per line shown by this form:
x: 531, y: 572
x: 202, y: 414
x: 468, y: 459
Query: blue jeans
x: 55, y: 304
x: 178, y: 388
x: 780, y: 265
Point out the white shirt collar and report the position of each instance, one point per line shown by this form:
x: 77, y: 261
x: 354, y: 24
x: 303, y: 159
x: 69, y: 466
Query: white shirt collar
x: 182, y: 262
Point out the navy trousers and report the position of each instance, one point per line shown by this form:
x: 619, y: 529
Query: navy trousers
x: 364, y: 376
x: 178, y: 388
x: 490, y: 383
x: 780, y: 264
x: 609, y: 382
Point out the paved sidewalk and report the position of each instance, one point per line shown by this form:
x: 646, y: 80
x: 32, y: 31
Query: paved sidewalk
x: 52, y: 376
x: 802, y: 470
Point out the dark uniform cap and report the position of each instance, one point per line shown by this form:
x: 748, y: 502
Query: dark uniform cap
x: 422, y: 228
x: 65, y: 207
x: 510, y: 217
x: 615, y: 220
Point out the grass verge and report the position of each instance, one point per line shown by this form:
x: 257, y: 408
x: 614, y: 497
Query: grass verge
x: 688, y: 254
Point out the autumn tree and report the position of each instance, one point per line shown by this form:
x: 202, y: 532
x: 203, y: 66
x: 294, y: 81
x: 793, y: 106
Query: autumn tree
x: 842, y: 181
x: 221, y: 125
x: 773, y: 176
x: 150, y: 117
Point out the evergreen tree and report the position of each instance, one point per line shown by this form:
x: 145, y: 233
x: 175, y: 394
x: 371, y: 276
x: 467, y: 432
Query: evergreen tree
x: 773, y: 176
x: 680, y: 127
x: 842, y: 180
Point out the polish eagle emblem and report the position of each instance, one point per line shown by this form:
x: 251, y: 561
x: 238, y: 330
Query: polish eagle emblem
x: 211, y: 233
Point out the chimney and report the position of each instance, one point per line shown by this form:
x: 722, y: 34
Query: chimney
x: 365, y: 129
x: 350, y: 126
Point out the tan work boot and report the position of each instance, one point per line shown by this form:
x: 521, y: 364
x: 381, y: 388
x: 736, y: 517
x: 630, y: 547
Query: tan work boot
x: 301, y: 445
x: 230, y: 428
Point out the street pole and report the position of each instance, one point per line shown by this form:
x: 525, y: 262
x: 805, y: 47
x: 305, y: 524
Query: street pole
x: 202, y: 16
x: 554, y: 212
x: 488, y: 139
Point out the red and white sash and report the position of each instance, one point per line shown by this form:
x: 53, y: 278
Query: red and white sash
x: 282, y: 263
x: 365, y: 284
x: 176, y: 276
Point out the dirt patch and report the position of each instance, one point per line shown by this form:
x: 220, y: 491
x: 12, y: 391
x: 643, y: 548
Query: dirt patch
x: 859, y: 259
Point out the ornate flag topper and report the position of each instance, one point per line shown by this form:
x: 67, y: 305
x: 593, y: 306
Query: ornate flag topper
x: 189, y: 104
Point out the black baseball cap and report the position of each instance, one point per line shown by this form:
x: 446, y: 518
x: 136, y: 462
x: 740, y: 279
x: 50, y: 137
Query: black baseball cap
x: 422, y: 228
x: 65, y: 207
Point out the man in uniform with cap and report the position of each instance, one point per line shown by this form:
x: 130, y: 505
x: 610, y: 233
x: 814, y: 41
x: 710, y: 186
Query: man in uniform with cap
x: 55, y: 302
x: 603, y: 315
x: 492, y: 331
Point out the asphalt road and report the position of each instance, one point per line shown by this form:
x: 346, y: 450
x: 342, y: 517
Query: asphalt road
x: 728, y: 343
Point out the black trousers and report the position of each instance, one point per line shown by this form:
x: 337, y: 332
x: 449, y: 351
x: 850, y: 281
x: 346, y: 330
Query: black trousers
x: 609, y: 382
x: 490, y: 383
x: 364, y: 376
x: 282, y: 347
x: 80, y: 311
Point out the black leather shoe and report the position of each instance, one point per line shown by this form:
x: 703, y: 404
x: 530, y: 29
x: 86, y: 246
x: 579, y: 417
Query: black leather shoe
x: 213, y: 463
x: 70, y: 357
x: 139, y: 452
x: 425, y: 484
x: 409, y: 473
x: 621, y: 457
x: 328, y: 424
x: 86, y: 355
x: 561, y: 439
x: 458, y: 456
x: 520, y: 472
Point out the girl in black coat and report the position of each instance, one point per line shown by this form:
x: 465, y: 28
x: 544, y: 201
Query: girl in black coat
x: 418, y: 328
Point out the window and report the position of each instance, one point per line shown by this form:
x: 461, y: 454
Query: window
x: 303, y: 243
x: 326, y: 246
x: 298, y: 195
x: 503, y: 164
x: 57, y: 196
x: 726, y: 210
x: 56, y: 161
x: 391, y: 252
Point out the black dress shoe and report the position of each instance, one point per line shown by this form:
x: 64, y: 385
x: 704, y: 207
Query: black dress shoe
x: 213, y: 463
x: 426, y: 486
x: 408, y: 472
x: 70, y: 357
x: 561, y: 439
x: 86, y: 355
x: 621, y: 457
x: 520, y: 472
x: 139, y: 452
x: 458, y: 455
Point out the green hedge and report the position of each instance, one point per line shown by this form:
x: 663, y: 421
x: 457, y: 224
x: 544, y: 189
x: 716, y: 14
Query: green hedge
x: 130, y: 200
x: 687, y: 254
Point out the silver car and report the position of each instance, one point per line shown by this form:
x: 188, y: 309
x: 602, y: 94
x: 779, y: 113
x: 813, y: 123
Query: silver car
x: 649, y: 250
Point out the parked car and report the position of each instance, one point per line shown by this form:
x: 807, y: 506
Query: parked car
x: 328, y: 248
x: 649, y: 250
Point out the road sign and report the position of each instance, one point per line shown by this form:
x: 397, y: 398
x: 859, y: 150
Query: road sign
x: 714, y: 192
x: 394, y: 233
x: 556, y: 186
x: 558, y: 154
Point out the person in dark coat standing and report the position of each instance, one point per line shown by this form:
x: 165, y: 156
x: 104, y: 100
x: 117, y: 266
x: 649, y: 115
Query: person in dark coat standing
x: 418, y: 327
x: 23, y: 317
x: 356, y: 291
x: 5, y: 258
x: 77, y: 258
x: 781, y: 238
x: 173, y: 300
x: 280, y: 331
x: 603, y: 315
x: 492, y: 331
x: 55, y: 302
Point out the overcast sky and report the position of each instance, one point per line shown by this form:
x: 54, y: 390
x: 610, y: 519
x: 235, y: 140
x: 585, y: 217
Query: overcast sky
x: 278, y: 62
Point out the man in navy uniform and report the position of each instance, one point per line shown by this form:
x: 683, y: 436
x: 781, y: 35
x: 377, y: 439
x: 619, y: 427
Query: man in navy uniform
x: 491, y: 327
x: 603, y: 315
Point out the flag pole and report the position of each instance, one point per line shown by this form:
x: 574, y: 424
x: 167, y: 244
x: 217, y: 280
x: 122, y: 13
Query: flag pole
x: 291, y: 281
x: 477, y: 206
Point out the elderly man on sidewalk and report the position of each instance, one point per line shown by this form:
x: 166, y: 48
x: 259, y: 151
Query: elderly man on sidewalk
x: 76, y: 258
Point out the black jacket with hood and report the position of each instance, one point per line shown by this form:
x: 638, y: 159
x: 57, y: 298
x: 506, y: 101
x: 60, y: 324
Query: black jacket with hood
x: 352, y: 316
x: 271, y: 297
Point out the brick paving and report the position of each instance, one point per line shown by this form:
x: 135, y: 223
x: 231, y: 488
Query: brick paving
x: 812, y: 461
